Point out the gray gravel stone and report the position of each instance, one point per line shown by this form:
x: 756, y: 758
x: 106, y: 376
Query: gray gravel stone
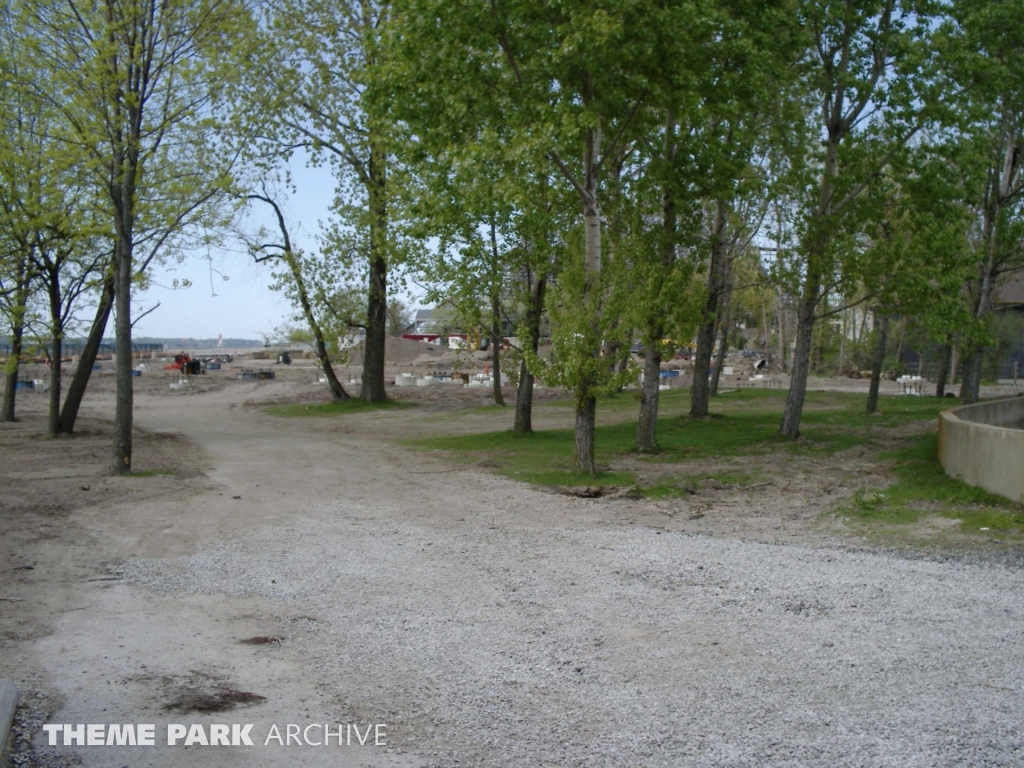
x: 516, y: 645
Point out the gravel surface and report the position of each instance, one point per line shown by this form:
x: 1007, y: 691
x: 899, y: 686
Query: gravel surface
x: 494, y: 640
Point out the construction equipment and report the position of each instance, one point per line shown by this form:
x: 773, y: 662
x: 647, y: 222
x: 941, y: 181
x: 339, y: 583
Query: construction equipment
x: 183, y: 362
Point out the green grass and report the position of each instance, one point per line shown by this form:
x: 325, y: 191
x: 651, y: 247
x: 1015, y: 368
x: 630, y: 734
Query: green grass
x: 746, y: 422
x: 540, y: 458
x: 149, y: 473
x: 742, y: 422
x: 352, y: 405
x: 922, y: 488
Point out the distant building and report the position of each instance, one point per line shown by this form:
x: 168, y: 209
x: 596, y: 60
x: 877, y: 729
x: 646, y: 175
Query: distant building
x: 424, y: 323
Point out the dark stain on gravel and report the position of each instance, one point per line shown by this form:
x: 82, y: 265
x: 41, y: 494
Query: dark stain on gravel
x: 220, y: 699
x: 261, y: 640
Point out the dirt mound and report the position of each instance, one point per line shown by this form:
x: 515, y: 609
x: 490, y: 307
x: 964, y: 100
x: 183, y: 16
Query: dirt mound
x: 399, y: 351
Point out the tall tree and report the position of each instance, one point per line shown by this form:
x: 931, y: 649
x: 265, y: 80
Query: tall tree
x: 311, y: 84
x: 137, y: 84
x: 47, y: 210
x: 982, y: 45
x: 865, y: 72
x: 564, y: 86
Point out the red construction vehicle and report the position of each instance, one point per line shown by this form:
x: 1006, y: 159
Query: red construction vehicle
x: 183, y: 362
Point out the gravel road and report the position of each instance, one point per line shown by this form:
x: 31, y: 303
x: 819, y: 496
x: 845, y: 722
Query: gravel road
x: 494, y: 641
x: 316, y: 571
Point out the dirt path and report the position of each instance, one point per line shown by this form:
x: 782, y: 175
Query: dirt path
x: 310, y: 571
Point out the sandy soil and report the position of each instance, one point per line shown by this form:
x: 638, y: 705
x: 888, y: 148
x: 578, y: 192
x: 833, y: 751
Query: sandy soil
x: 237, y: 579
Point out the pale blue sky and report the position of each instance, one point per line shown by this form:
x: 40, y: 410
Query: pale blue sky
x: 243, y: 306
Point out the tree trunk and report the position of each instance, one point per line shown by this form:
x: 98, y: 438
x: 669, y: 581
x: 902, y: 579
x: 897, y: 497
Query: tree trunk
x: 646, y: 441
x: 622, y: 359
x: 650, y: 394
x: 900, y: 370
x: 970, y: 387
x: 585, y: 399
x: 877, y: 361
x: 124, y: 401
x: 524, y: 401
x: 373, y: 390
x: 842, y: 341
x: 496, y: 369
x: 649, y: 389
x: 943, y: 372
x: 524, y: 393
x: 790, y: 427
x: 56, y: 380
x: 710, y: 315
x: 17, y: 337
x: 80, y: 379
x: 723, y: 348
x: 999, y: 193
x: 56, y: 351
x: 586, y: 416
x: 782, y: 335
x: 496, y: 322
x: 813, y: 282
x: 338, y: 392
x: 11, y: 388
x: 700, y: 387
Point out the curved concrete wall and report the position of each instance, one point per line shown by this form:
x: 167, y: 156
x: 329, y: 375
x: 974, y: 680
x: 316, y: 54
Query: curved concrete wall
x: 983, y: 445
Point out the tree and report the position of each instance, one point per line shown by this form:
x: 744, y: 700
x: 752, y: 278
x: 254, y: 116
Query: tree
x: 47, y: 215
x: 982, y: 44
x: 15, y: 285
x: 913, y: 266
x: 137, y: 84
x: 555, y: 89
x: 751, y: 75
x: 400, y: 317
x: 865, y: 73
x: 263, y: 250
x: 310, y: 87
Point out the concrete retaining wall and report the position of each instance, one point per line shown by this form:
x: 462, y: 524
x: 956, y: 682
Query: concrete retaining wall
x: 983, y: 445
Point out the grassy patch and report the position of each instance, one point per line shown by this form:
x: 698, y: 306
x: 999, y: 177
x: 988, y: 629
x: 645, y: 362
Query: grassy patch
x: 352, y: 405
x: 923, y: 488
x: 743, y: 422
x: 149, y: 473
x: 541, y: 458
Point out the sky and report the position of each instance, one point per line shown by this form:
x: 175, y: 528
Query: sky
x: 243, y: 306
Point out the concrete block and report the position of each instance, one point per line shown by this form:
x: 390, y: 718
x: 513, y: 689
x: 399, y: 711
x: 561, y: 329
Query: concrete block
x: 8, y: 703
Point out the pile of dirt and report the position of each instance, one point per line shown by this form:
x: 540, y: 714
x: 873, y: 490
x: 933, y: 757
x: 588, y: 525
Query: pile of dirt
x: 399, y: 351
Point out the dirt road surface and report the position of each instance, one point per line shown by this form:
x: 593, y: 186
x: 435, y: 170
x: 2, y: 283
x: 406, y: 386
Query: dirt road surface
x: 272, y: 571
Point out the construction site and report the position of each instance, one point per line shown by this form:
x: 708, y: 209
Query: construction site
x: 271, y: 562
